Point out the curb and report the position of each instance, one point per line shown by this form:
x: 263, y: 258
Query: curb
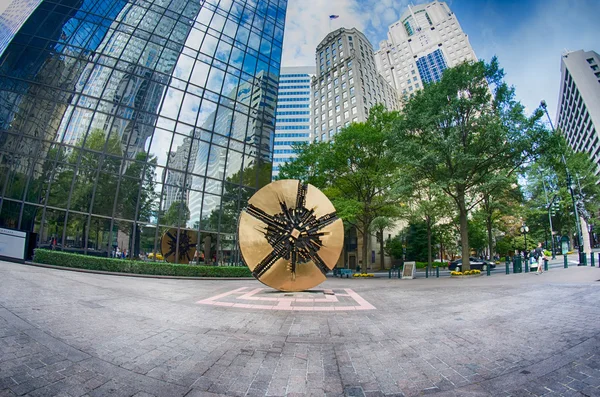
x: 74, y: 269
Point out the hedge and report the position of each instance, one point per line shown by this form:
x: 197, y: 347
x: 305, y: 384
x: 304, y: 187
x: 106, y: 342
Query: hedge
x: 58, y: 258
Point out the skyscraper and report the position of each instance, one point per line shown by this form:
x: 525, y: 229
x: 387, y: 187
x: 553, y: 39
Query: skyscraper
x: 426, y: 40
x: 13, y: 18
x: 578, y: 113
x: 130, y: 117
x: 294, y: 113
x: 347, y: 84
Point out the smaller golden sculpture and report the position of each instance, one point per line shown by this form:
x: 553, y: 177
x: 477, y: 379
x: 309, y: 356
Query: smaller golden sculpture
x: 187, y: 245
x: 290, y: 235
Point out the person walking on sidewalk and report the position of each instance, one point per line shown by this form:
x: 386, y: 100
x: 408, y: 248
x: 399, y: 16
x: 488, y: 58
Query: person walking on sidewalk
x: 539, y: 256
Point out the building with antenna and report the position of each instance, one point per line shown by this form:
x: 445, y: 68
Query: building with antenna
x: 347, y: 84
x: 426, y: 40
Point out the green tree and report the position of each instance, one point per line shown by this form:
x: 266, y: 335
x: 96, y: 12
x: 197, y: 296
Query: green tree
x: 357, y: 170
x: 549, y: 174
x: 428, y: 204
x: 459, y: 132
x: 499, y: 195
x: 137, y: 198
x: 176, y: 215
x: 378, y: 226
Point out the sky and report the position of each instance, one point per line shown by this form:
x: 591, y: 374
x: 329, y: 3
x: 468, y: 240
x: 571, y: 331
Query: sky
x: 527, y: 36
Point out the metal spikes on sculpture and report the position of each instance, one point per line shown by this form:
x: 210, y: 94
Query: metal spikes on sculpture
x: 290, y: 235
x: 187, y: 245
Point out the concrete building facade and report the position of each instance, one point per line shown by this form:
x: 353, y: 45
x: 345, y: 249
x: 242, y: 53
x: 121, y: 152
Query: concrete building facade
x: 425, y: 41
x: 578, y: 113
x: 347, y: 83
x: 294, y: 113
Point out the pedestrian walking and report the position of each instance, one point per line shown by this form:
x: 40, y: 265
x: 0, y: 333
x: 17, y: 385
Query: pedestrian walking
x: 539, y: 256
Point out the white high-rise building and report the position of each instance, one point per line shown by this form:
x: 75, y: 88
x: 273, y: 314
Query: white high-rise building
x: 426, y: 40
x: 578, y: 114
x: 294, y: 114
x: 347, y: 84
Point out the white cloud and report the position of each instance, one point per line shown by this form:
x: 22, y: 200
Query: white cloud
x: 308, y: 23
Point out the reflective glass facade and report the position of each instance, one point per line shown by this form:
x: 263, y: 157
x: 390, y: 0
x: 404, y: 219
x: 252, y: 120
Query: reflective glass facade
x: 120, y: 119
x: 431, y: 66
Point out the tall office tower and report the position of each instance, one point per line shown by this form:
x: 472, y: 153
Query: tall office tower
x: 293, y: 121
x: 131, y: 117
x: 13, y: 18
x: 426, y: 40
x: 578, y: 114
x: 347, y: 83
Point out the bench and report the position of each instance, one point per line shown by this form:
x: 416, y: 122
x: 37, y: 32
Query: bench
x: 342, y: 272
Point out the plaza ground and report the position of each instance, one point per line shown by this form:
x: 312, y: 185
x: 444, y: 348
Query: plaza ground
x: 72, y: 334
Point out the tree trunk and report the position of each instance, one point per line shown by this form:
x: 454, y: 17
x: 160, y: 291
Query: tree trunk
x: 365, y: 249
x: 464, y: 231
x: 429, y: 249
x: 382, y: 259
x: 488, y: 222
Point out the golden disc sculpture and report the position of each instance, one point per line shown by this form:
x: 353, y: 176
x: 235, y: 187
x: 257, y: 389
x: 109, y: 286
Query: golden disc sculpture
x: 290, y: 235
x: 187, y: 245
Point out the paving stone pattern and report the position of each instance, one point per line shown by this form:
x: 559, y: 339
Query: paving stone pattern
x: 73, y: 334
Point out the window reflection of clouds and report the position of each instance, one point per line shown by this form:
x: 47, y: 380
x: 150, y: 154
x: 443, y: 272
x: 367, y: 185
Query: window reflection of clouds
x: 129, y: 80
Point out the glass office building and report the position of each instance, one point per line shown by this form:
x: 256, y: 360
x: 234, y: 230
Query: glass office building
x: 122, y: 119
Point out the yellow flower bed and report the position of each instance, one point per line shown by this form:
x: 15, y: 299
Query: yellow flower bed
x: 466, y: 273
x: 363, y: 275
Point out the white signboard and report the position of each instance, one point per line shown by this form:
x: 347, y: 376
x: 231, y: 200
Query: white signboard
x: 12, y: 243
x: 409, y: 270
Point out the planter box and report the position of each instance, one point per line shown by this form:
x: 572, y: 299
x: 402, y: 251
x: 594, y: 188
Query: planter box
x: 467, y: 276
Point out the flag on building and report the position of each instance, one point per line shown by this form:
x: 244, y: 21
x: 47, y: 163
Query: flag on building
x: 333, y: 16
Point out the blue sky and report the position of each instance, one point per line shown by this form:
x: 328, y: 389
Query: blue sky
x: 527, y: 36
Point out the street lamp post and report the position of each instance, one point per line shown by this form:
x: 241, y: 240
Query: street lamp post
x: 524, y: 231
x: 582, y: 259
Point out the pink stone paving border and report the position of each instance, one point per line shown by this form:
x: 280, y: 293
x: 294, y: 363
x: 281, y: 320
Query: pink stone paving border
x: 253, y: 300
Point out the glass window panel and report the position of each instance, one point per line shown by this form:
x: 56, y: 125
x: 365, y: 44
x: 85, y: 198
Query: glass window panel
x: 83, y: 186
x: 230, y: 28
x: 215, y: 81
x: 206, y: 115
x: 147, y: 234
x: 160, y: 145
x: 216, y: 162
x: 189, y: 109
x: 200, y: 74
x: 230, y: 86
x: 199, y: 158
x: 234, y: 166
x: 237, y: 58
x: 242, y: 35
x: 9, y: 214
x: 184, y: 67
x: 31, y: 215
x: 249, y: 64
x: 217, y: 22
x: 172, y: 103
x: 223, y: 121
x: 209, y: 45
x: 104, y: 195
x: 75, y: 235
x: 205, y: 16
x: 101, y: 239
x: 265, y: 46
x: 223, y: 51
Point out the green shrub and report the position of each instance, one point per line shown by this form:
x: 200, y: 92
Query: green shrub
x: 58, y: 258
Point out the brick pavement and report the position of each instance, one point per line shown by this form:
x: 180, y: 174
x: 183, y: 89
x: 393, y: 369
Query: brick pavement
x: 74, y: 334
